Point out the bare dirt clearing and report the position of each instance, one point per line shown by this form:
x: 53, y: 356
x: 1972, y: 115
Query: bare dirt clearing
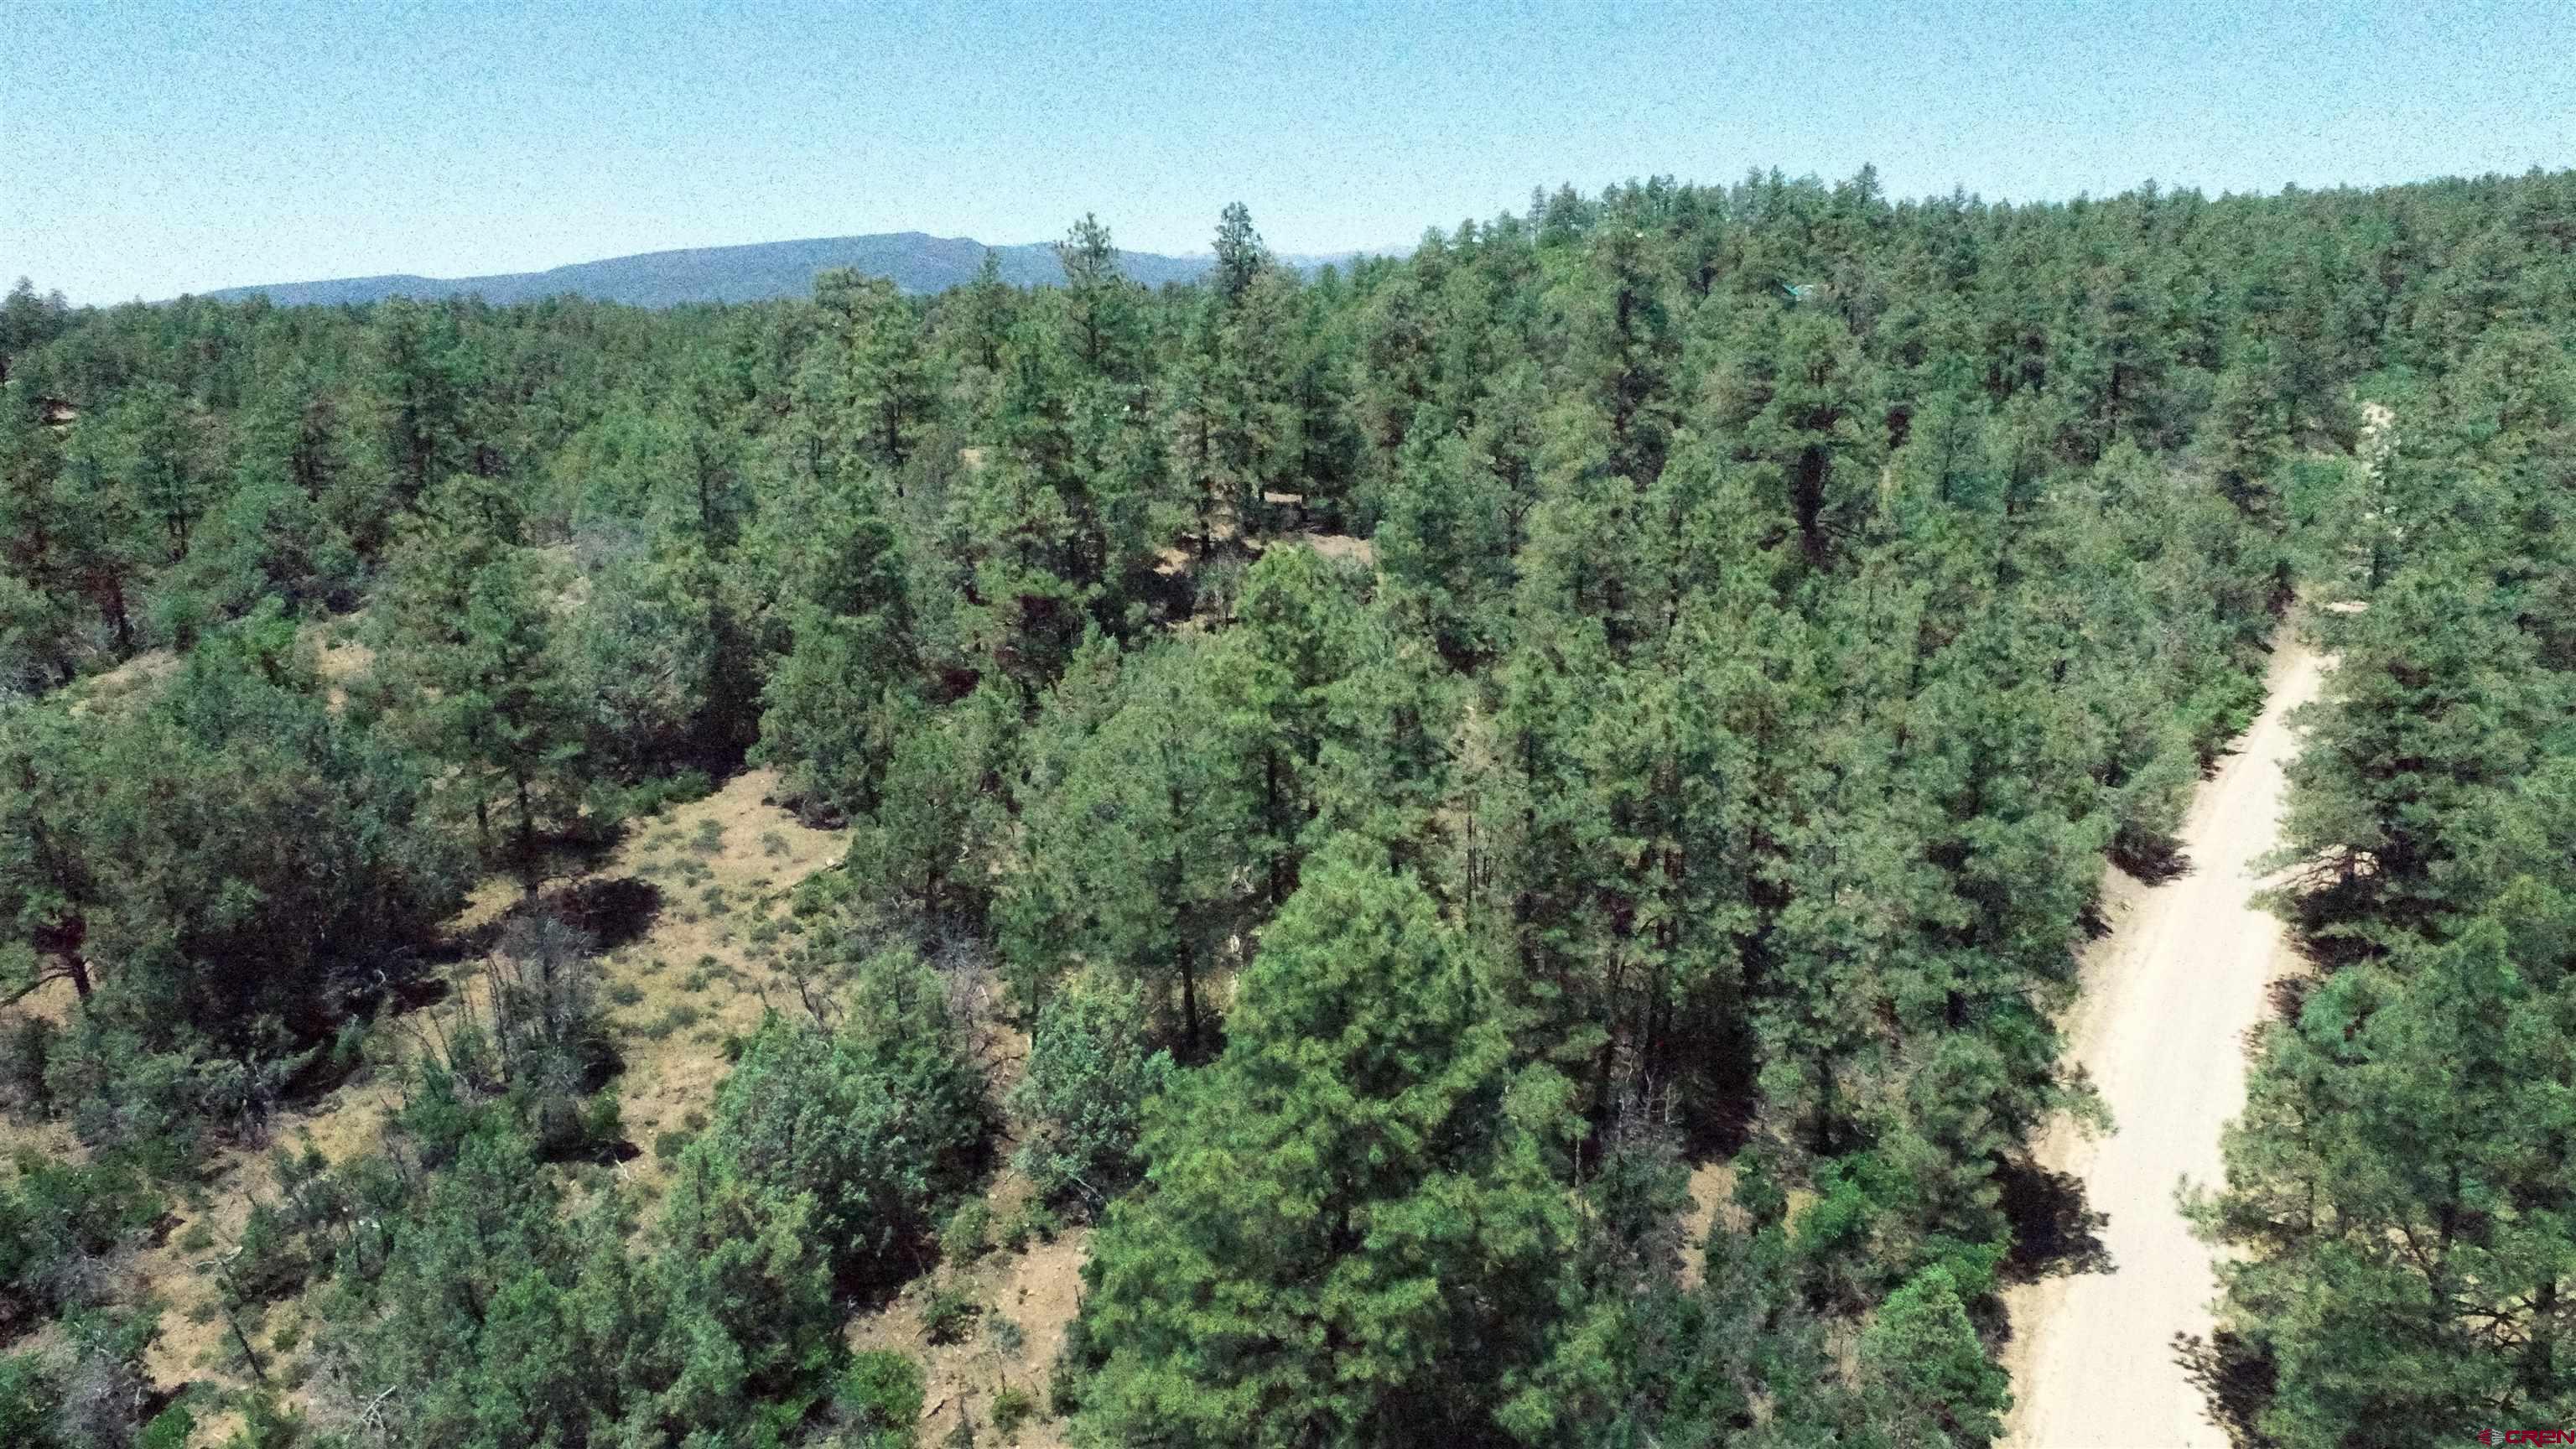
x: 696, y: 900
x: 2169, y: 996
x: 1028, y: 1299
x: 712, y: 876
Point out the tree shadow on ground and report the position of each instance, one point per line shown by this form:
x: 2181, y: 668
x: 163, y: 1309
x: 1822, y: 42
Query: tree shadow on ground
x: 2092, y: 922
x: 2056, y: 1232
x: 2236, y: 1378
x: 1718, y: 1094
x: 2288, y: 996
x: 611, y: 910
x: 2152, y: 857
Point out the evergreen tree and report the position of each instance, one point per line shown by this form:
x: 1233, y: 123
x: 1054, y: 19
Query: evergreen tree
x: 1350, y: 1229
x: 2402, y: 1179
x: 882, y: 391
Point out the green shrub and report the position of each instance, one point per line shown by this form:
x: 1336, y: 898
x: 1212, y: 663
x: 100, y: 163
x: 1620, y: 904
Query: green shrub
x: 652, y: 797
x: 1012, y: 1407
x: 880, y: 1398
x: 883, y: 1121
x: 169, y: 1429
x: 59, y: 1222
x: 27, y: 1400
x: 270, y: 1262
x: 25, y: 1045
x: 967, y: 1235
x: 680, y: 1017
x: 1031, y: 1219
x: 1090, y: 1072
x: 267, y: 1424
x: 949, y: 1312
x: 603, y: 1122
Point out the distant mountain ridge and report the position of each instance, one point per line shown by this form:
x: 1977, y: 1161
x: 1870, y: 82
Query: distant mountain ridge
x: 914, y: 261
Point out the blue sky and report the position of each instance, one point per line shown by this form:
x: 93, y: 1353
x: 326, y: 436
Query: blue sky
x: 152, y: 148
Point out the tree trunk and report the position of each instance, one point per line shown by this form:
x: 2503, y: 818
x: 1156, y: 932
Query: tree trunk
x: 527, y: 833
x: 1808, y: 501
x: 112, y: 600
x: 1189, y: 1004
x: 1270, y: 808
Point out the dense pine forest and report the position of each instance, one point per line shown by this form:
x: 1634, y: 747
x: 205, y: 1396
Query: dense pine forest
x: 1499, y: 838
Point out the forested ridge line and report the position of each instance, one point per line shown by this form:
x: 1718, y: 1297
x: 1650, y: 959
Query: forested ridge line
x: 1777, y: 602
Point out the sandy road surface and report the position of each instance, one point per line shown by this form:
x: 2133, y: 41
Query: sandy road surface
x: 2168, y: 997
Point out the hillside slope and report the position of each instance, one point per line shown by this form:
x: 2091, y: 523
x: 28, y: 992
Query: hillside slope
x: 915, y: 261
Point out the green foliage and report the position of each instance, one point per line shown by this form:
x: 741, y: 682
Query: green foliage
x: 882, y: 1123
x: 501, y: 1321
x: 1032, y: 1219
x: 643, y: 660
x: 1351, y: 1226
x: 196, y: 864
x: 169, y: 1429
x: 1668, y: 653
x: 59, y: 1224
x: 1091, y: 1071
x: 1135, y: 808
x: 1012, y: 1407
x: 967, y: 1235
x: 88, y: 1388
x: 2398, y: 1188
x: 2400, y: 1176
x: 472, y: 632
x: 1921, y: 1349
x: 880, y: 1399
x: 949, y: 1312
x: 543, y: 1039
x: 836, y: 703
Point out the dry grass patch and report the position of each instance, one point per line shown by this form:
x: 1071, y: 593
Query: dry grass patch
x: 704, y: 969
x: 1025, y: 1300
x: 710, y: 961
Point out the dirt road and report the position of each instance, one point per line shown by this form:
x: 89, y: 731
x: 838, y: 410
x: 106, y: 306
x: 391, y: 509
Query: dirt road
x: 2168, y: 997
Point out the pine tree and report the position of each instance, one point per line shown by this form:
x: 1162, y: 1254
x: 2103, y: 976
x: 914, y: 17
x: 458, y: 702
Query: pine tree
x: 471, y: 621
x: 834, y: 705
x: 1134, y: 817
x: 46, y: 887
x: 1240, y: 256
x: 1350, y: 1230
x: 1922, y: 1352
x: 881, y: 395
x: 2402, y: 1180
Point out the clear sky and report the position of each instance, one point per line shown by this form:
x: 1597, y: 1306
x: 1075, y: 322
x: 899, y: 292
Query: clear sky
x: 152, y: 148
